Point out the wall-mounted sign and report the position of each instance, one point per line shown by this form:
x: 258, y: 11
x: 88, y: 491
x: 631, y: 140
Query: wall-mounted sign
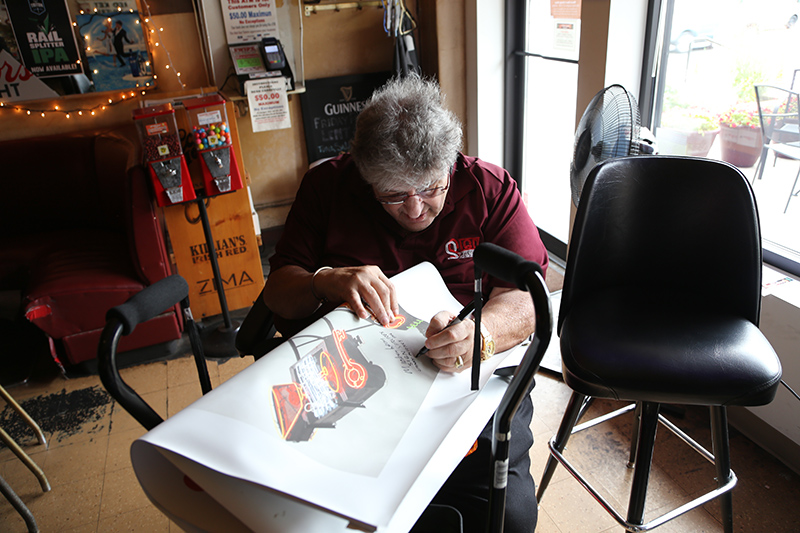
x: 330, y: 107
x: 45, y: 41
x: 565, y: 35
x: 565, y: 9
x: 17, y: 83
x: 269, y: 107
x: 249, y: 21
x: 247, y: 59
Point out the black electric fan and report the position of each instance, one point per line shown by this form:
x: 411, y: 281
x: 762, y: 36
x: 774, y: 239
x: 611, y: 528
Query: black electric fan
x: 610, y: 127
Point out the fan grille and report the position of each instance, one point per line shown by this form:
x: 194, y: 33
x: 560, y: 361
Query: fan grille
x: 609, y: 128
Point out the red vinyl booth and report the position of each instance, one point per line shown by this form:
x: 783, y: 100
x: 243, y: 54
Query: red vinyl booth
x: 81, y: 235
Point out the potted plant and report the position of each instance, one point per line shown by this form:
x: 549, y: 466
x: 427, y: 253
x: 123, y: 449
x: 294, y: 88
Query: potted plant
x: 740, y: 135
x: 687, y: 131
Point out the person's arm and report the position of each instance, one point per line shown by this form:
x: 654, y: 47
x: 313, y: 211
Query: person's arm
x: 508, y: 315
x: 292, y: 292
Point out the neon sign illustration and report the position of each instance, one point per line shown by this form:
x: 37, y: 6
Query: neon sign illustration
x: 327, y: 383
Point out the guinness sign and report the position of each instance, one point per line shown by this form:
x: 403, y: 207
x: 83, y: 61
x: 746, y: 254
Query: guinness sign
x: 330, y: 107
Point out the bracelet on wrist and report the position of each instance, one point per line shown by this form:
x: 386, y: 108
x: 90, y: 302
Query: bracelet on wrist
x: 487, y: 343
x: 313, y: 277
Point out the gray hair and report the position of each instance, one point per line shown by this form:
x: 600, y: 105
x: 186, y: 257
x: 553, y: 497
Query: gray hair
x: 405, y: 137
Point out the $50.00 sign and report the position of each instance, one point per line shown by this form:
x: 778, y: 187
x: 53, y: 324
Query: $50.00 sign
x: 269, y: 107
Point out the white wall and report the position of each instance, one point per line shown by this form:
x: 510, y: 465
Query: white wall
x: 484, y: 21
x: 776, y: 426
x: 626, y: 25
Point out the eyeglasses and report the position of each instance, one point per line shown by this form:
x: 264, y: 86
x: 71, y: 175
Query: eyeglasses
x: 399, y: 198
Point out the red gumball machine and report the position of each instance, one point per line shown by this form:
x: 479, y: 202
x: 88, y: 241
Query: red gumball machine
x: 161, y: 147
x: 209, y: 122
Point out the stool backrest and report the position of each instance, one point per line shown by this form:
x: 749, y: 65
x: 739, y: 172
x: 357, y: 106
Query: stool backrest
x: 671, y: 223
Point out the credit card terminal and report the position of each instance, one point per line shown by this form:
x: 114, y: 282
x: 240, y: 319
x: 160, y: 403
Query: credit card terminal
x: 272, y: 52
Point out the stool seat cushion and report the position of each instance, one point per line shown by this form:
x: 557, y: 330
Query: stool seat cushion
x: 659, y: 346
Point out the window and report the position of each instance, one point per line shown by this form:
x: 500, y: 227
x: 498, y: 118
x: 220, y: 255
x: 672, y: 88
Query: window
x: 552, y: 42
x: 709, y: 55
x: 705, y: 102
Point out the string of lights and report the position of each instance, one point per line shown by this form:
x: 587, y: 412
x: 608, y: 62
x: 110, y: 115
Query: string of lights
x: 69, y: 113
x: 157, y: 31
x: 90, y: 111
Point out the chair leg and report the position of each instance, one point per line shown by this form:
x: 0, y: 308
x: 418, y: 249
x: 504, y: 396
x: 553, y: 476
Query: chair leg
x: 26, y: 460
x: 571, y: 415
x: 24, y: 414
x: 722, y: 462
x: 19, y: 505
x: 762, y: 162
x: 637, y: 420
x: 792, y: 192
x: 644, y: 457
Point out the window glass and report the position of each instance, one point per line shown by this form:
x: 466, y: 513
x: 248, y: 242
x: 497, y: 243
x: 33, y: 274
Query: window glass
x: 553, y: 37
x: 706, y: 105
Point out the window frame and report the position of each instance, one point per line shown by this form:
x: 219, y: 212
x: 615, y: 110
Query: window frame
x: 659, y: 19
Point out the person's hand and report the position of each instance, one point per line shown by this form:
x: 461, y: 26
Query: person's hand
x: 366, y: 289
x: 450, y: 348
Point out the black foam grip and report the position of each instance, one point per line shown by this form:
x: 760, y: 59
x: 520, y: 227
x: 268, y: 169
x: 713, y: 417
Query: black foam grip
x: 504, y: 264
x: 149, y: 302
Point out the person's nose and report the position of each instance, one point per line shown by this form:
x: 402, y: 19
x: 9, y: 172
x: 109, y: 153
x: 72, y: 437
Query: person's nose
x: 414, y: 206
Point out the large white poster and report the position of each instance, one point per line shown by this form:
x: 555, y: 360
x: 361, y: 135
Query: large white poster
x: 341, y: 425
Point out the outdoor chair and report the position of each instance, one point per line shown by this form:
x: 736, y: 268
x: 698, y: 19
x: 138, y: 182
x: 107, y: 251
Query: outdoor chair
x: 779, y: 115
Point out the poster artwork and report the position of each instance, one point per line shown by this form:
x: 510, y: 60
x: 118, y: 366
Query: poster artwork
x: 333, y: 375
x: 44, y: 38
x: 116, y: 50
x: 331, y: 429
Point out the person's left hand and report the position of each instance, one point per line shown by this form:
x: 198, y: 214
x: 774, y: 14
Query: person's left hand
x: 450, y: 349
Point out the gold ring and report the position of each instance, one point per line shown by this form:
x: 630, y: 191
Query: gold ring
x: 459, y: 362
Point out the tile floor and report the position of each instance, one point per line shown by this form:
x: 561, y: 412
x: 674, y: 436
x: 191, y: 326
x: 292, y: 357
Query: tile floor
x: 94, y: 488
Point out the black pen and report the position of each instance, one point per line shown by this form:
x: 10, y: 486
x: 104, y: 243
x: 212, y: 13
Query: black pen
x: 465, y: 312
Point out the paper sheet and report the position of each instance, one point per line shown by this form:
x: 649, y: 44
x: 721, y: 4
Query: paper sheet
x: 387, y: 428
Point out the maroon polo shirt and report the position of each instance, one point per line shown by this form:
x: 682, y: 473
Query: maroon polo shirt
x: 336, y: 221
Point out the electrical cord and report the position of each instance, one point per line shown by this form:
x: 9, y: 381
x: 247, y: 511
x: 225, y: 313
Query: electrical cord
x: 231, y: 75
x: 790, y: 390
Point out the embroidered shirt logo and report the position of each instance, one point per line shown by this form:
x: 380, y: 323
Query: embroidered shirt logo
x: 461, y: 248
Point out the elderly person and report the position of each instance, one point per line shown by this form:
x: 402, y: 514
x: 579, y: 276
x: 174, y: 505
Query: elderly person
x: 403, y: 195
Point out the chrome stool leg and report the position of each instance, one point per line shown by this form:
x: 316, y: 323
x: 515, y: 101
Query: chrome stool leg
x: 571, y: 416
x: 19, y: 505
